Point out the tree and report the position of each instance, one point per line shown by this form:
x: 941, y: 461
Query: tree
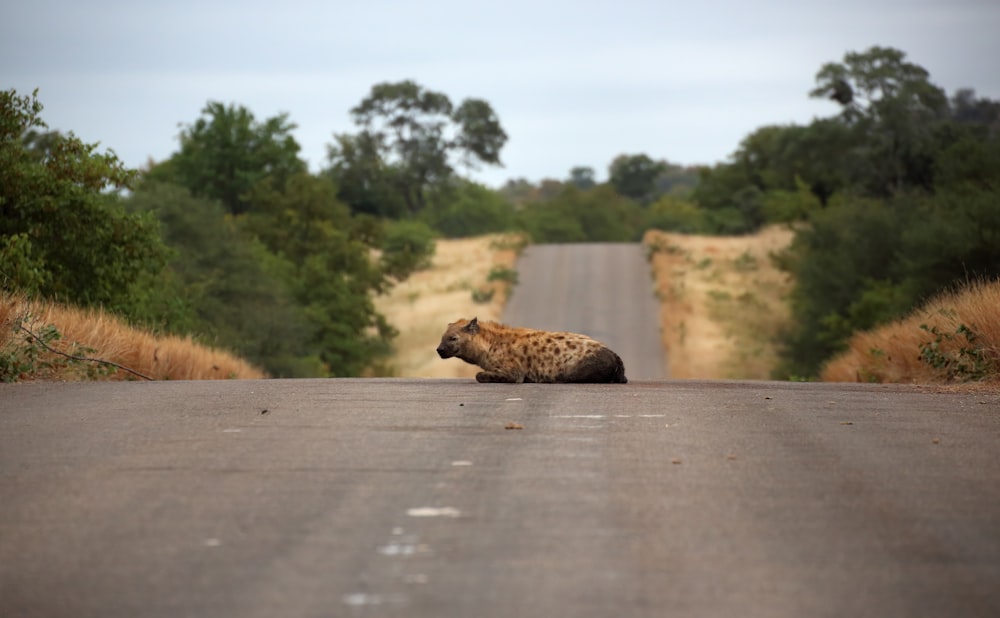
x: 469, y: 209
x: 582, y: 177
x: 598, y: 215
x: 895, y: 112
x: 226, y: 152
x: 332, y: 275
x: 634, y: 176
x: 863, y: 261
x: 364, y: 181
x: 234, y: 292
x: 846, y: 251
x: 674, y: 214
x: 64, y: 233
x: 409, y: 137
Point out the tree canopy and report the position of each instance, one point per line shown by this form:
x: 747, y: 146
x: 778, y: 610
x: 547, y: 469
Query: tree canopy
x: 63, y: 231
x: 226, y: 152
x: 410, y: 141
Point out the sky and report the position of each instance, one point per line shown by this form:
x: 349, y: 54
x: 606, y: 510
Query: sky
x: 574, y: 83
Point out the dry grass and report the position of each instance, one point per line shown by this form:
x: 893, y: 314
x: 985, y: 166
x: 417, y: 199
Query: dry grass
x: 722, y: 302
x: 108, y: 338
x: 423, y: 305
x: 893, y: 352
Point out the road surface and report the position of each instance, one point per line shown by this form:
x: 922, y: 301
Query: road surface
x: 599, y: 289
x: 447, y: 498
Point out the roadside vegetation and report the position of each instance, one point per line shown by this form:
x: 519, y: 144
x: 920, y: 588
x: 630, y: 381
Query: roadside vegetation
x: 234, y: 243
x: 953, y: 338
x: 42, y: 340
x: 723, y: 302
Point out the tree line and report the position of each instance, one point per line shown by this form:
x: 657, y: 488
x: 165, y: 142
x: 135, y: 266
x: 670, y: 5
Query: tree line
x: 234, y: 239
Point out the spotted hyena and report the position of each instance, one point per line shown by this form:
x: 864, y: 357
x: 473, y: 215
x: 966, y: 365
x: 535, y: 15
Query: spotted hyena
x: 508, y: 354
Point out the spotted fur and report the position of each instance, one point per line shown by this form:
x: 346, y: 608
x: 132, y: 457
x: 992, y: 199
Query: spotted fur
x: 507, y: 354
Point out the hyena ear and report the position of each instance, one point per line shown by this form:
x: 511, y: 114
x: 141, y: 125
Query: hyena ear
x: 472, y: 326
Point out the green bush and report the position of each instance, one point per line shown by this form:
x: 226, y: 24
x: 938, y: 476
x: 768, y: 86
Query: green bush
x: 469, y: 210
x: 407, y: 247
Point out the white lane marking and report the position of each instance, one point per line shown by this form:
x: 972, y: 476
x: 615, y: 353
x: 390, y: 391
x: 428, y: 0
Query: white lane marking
x: 513, y: 399
x: 433, y: 511
x: 403, y: 549
x: 461, y: 462
x: 360, y: 599
x: 579, y: 416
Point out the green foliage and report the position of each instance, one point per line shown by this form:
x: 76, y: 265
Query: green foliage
x: 468, y: 209
x: 405, y: 148
x: 226, y: 152
x: 29, y: 358
x: 781, y: 206
x: 894, y: 114
x: 407, y: 247
x: 546, y: 223
x: 481, y: 296
x: 893, y: 199
x: 63, y: 235
x: 675, y: 214
x: 329, y: 271
x: 846, y: 249
x: 597, y: 215
x: 731, y: 204
x: 363, y: 179
x: 582, y: 178
x: 502, y: 273
x: 232, y: 292
x: 634, y: 176
x: 29, y: 353
x: 971, y: 361
x: 863, y: 262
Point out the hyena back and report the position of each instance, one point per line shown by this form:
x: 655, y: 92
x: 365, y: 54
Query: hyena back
x: 507, y: 354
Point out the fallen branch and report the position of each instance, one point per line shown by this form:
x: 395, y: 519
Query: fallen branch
x: 85, y: 359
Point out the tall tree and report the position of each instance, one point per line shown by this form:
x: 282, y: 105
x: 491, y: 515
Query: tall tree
x: 582, y: 177
x: 235, y: 292
x: 634, y: 176
x: 408, y: 142
x: 227, y: 151
x: 895, y: 112
x: 333, y: 276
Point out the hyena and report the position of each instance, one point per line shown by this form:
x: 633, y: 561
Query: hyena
x: 508, y: 354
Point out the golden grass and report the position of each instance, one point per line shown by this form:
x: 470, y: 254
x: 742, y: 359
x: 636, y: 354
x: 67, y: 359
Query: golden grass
x: 422, y: 306
x: 892, y: 353
x: 110, y: 339
x: 722, y: 302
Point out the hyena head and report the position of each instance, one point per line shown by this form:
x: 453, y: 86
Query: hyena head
x: 456, y: 338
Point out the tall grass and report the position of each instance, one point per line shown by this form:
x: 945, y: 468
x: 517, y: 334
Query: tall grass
x: 954, y: 338
x: 100, y: 335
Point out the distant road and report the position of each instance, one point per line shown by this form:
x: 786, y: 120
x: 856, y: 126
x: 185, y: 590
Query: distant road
x: 604, y: 290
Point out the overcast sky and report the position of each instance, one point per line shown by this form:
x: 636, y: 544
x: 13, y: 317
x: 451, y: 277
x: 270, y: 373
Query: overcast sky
x: 573, y: 82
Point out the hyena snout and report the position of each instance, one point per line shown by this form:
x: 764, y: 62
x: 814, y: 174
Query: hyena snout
x: 444, y: 351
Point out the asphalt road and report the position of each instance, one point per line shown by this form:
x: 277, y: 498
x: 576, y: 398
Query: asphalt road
x: 603, y: 290
x: 413, y: 498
